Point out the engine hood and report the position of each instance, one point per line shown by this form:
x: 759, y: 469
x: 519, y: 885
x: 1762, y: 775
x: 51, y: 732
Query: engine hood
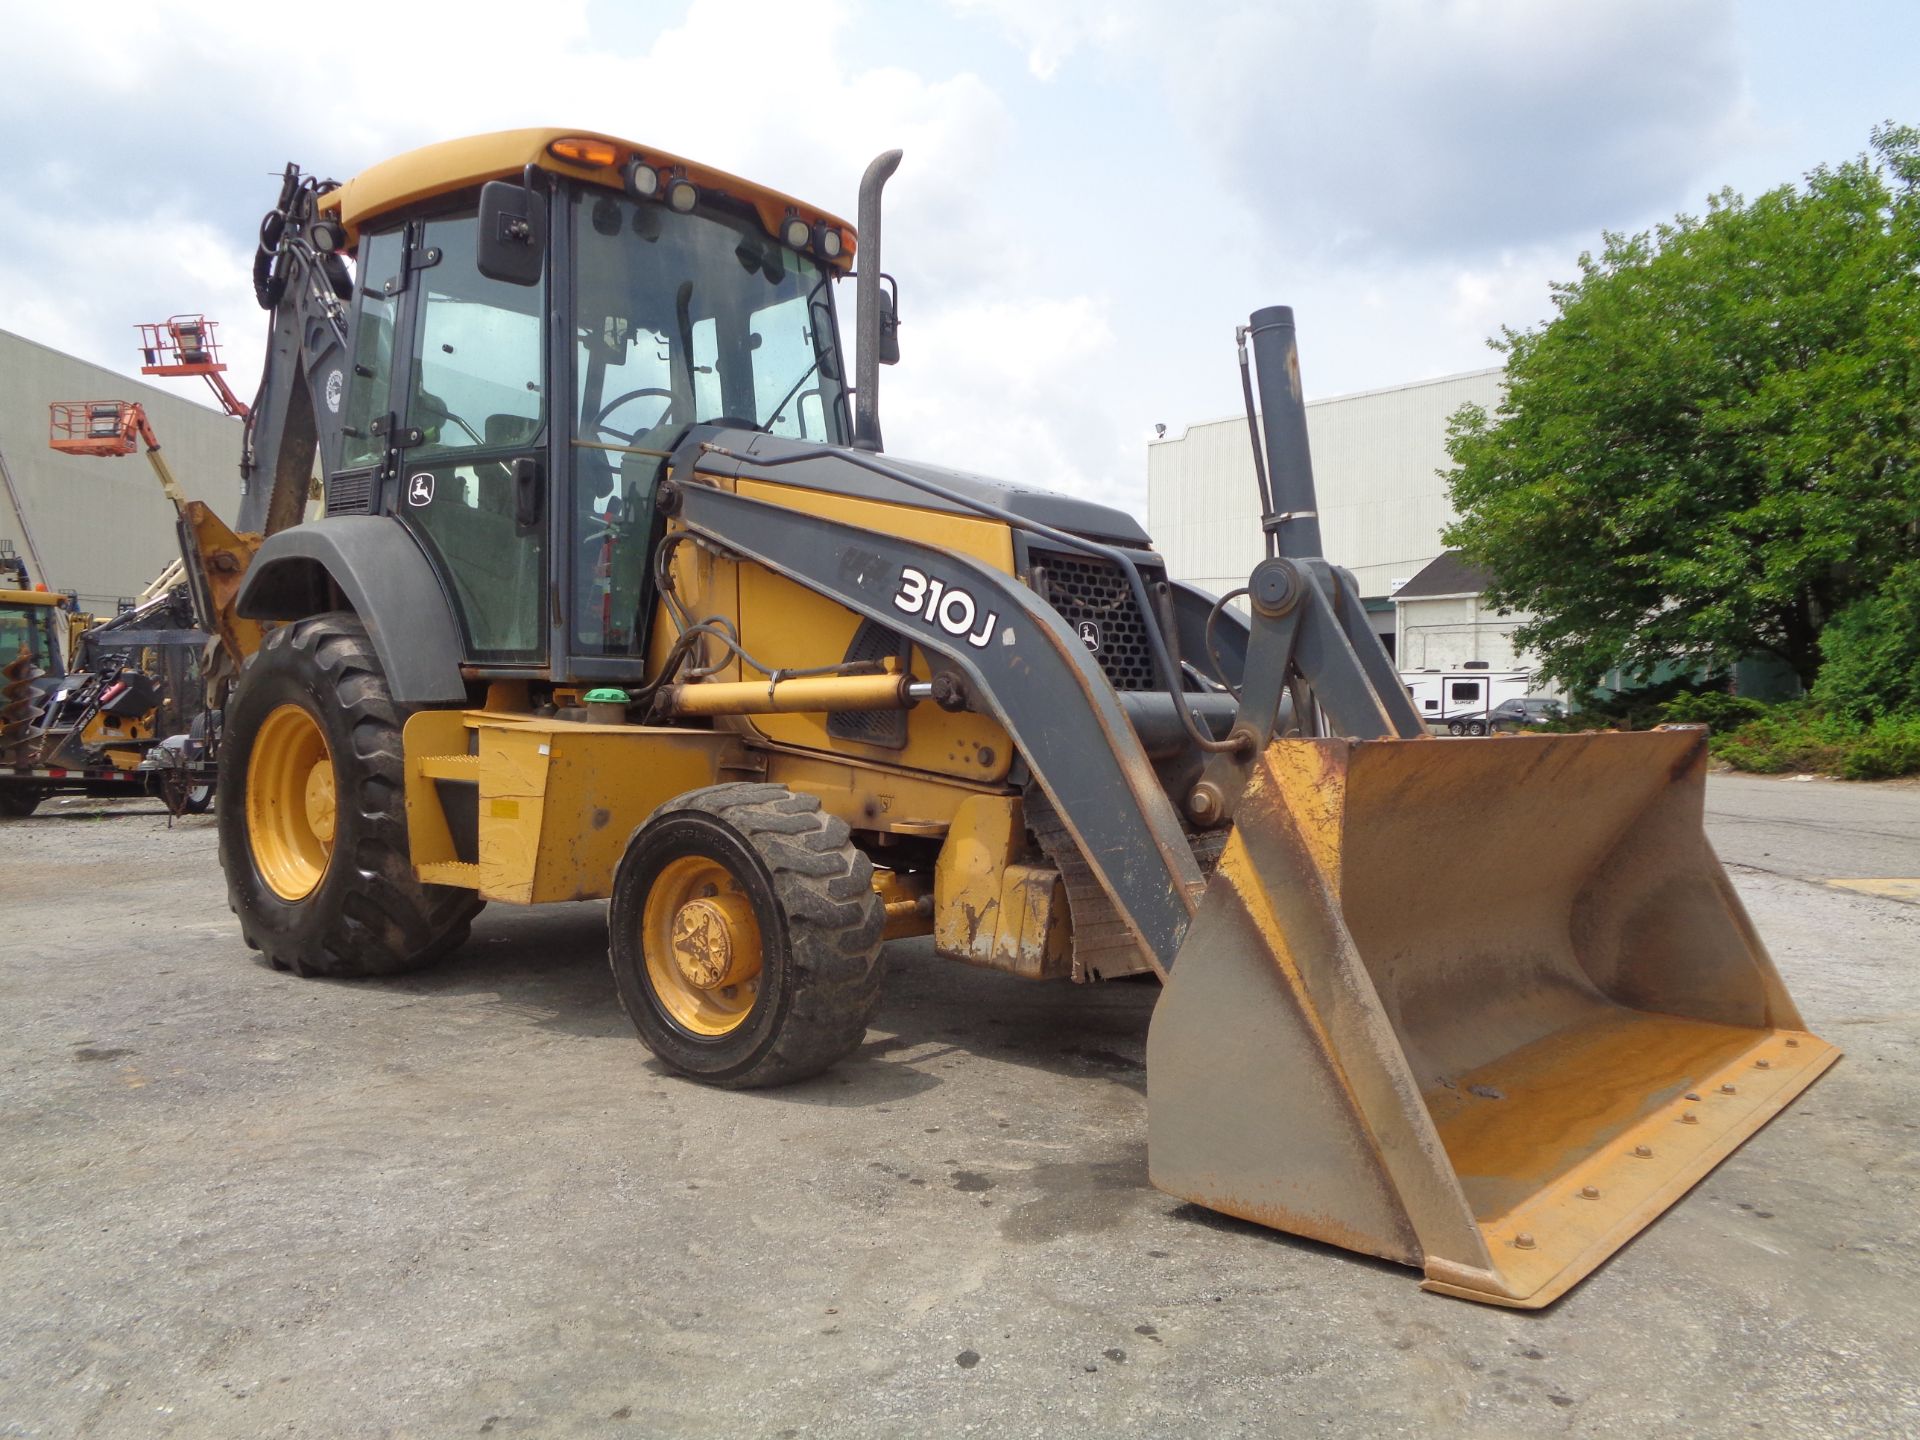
x: 840, y: 473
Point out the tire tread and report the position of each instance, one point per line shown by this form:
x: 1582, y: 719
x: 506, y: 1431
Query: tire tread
x: 388, y: 923
x: 835, y: 920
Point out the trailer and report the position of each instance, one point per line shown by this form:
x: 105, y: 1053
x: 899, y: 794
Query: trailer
x: 1462, y: 701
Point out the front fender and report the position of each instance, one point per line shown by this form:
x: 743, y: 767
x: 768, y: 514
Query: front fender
x: 371, y: 565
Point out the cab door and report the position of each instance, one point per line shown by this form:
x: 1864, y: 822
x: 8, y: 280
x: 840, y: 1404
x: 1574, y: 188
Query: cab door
x: 471, y: 441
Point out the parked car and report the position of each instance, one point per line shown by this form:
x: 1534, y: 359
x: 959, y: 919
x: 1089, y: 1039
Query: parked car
x: 1526, y: 713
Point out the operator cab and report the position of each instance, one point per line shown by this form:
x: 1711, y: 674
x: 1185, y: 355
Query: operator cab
x: 27, y: 626
x: 517, y: 416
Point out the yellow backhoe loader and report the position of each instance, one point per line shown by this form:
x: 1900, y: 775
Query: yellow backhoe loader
x: 618, y: 595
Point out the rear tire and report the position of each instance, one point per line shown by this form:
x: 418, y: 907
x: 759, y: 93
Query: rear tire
x: 795, y: 976
x: 1454, y: 727
x: 1476, y: 727
x: 19, y: 804
x: 312, y: 813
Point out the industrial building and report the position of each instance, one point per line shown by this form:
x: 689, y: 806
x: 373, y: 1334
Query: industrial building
x: 102, y: 529
x: 1378, y: 460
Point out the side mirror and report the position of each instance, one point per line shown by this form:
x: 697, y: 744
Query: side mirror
x: 889, y: 330
x: 512, y: 243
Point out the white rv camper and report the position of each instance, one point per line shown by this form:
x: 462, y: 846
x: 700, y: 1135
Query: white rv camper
x: 1463, y: 700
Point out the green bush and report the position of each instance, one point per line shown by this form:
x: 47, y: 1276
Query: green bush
x: 1871, y: 651
x: 1715, y: 708
x: 1890, y: 748
x: 1804, y: 737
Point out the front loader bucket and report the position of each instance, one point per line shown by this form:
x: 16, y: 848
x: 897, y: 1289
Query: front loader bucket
x: 1482, y: 1007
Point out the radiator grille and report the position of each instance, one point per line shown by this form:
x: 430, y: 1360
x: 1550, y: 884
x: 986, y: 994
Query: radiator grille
x: 1093, y: 597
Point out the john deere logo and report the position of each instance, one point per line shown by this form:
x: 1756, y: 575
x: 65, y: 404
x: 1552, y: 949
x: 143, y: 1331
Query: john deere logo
x: 1090, y: 634
x: 420, y: 489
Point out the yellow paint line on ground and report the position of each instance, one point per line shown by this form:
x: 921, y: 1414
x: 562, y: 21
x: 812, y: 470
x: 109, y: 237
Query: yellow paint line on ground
x: 1902, y: 889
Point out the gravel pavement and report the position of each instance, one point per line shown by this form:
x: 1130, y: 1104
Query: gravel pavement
x: 236, y: 1203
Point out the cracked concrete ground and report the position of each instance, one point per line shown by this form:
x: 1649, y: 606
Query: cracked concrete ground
x: 468, y: 1202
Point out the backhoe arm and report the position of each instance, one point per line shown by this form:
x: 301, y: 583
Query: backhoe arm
x: 301, y: 280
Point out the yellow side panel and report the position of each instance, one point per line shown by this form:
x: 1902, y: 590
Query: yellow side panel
x: 985, y: 540
x: 557, y: 801
x: 783, y: 623
x: 432, y: 738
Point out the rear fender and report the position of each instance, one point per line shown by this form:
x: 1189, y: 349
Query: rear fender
x: 371, y: 565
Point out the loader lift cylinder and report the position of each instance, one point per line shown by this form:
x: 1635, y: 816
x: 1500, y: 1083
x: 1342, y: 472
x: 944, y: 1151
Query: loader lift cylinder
x: 1295, y: 519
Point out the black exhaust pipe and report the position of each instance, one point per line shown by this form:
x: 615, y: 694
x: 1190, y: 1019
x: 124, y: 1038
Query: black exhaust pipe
x: 866, y: 360
x: 1292, y: 521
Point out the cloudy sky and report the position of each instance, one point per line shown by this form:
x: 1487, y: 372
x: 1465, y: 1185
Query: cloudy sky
x: 1094, y: 193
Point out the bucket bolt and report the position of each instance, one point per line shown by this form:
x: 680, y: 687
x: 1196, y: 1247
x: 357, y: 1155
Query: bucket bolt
x: 1589, y: 1192
x: 1763, y: 1064
x: 1689, y: 1118
x: 1644, y: 1152
x: 1206, y: 804
x: 1523, y: 1241
x: 1693, y: 1097
x: 1729, y: 1089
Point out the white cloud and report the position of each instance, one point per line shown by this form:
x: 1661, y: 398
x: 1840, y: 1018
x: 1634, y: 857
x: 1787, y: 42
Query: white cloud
x: 1015, y: 389
x: 149, y: 207
x: 1053, y: 30
x: 1405, y: 127
x: 1408, y: 175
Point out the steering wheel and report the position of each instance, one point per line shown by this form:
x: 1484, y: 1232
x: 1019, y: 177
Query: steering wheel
x: 599, y: 422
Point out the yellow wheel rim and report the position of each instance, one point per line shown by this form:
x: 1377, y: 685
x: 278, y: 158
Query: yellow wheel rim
x: 290, y: 803
x: 702, y: 946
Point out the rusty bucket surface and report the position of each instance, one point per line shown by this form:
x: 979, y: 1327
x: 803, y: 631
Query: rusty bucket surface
x: 1482, y: 1007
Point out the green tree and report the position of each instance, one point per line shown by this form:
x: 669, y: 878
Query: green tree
x: 1713, y: 446
x: 1871, y: 652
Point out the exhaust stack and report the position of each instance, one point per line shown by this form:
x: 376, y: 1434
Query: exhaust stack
x: 866, y: 361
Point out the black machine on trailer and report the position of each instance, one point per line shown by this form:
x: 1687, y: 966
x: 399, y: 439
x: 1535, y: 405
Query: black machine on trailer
x: 126, y: 716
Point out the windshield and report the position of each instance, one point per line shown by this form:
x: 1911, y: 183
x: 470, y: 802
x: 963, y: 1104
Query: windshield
x: 697, y: 317
x: 25, y: 625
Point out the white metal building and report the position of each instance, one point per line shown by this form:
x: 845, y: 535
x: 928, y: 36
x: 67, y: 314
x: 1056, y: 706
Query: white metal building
x: 1378, y: 458
x: 102, y: 526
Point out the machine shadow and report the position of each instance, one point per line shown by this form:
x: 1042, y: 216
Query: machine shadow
x: 549, y: 964
x: 932, y: 1008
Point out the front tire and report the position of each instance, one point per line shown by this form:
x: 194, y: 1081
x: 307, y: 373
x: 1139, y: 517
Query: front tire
x: 745, y: 936
x: 312, y: 814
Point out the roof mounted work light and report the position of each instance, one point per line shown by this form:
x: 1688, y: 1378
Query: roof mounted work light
x: 643, y: 181
x: 681, y: 194
x: 827, y: 240
x: 794, y: 231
